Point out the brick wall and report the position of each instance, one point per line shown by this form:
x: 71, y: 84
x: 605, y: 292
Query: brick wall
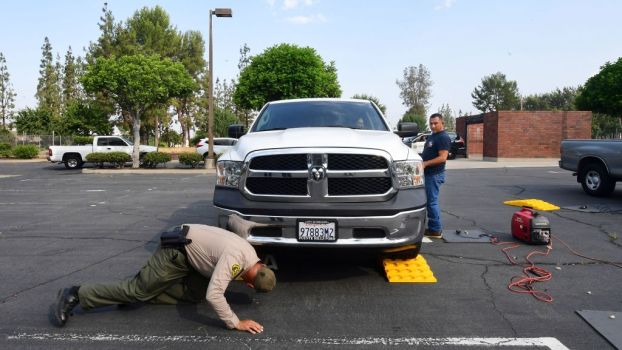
x: 523, y: 134
x: 491, y: 135
x: 538, y: 134
x: 475, y: 135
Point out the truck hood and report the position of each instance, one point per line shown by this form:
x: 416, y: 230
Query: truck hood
x: 320, y: 138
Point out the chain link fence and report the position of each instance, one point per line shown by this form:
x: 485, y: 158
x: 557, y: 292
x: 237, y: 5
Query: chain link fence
x: 41, y: 141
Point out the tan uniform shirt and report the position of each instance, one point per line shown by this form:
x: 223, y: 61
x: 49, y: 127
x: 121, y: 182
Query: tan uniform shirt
x: 221, y: 256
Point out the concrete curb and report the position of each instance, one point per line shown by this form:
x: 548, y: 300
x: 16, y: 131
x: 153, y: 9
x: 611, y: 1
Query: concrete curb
x: 143, y: 171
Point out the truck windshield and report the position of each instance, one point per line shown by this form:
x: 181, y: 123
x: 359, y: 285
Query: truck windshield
x: 128, y: 141
x: 302, y: 114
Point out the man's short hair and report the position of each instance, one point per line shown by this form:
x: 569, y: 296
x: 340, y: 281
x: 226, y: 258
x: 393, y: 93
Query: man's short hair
x: 264, y: 280
x: 436, y: 115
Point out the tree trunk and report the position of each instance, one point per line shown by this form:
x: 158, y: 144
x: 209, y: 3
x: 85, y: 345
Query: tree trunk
x: 136, y: 130
x: 184, y: 127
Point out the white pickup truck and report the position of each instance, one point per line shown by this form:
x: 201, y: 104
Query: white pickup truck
x: 325, y: 173
x: 75, y: 156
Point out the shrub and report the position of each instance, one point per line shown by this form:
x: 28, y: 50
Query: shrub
x: 190, y: 158
x: 83, y: 140
x: 118, y: 159
x: 5, y: 150
x: 99, y: 158
x: 152, y: 159
x: 25, y: 151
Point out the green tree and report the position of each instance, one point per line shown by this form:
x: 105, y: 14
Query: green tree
x: 191, y: 51
x: 605, y: 127
x: 222, y: 119
x: 33, y: 121
x: 149, y: 32
x: 105, y: 45
x: 48, y: 93
x: 7, y: 95
x: 70, y: 80
x: 496, y: 93
x: 285, y: 71
x: 415, y: 89
x: 245, y: 59
x: 556, y: 100
x: 412, y: 116
x: 84, y: 117
x: 602, y: 93
x: 373, y: 99
x: 137, y: 83
x: 449, y: 117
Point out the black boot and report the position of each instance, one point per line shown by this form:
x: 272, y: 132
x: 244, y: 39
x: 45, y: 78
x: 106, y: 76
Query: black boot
x: 66, y: 300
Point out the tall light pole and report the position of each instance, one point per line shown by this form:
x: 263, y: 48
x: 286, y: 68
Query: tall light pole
x: 220, y: 12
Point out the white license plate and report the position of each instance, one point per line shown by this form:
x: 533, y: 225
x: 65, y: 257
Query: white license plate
x: 317, y: 231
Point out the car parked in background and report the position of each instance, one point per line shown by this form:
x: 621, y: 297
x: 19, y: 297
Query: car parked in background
x: 221, y: 145
x: 457, y: 146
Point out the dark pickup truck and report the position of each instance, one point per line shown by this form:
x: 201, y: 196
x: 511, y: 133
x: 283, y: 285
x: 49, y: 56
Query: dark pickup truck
x: 596, y: 163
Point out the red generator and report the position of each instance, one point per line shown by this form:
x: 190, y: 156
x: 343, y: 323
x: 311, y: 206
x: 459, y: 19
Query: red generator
x: 531, y: 227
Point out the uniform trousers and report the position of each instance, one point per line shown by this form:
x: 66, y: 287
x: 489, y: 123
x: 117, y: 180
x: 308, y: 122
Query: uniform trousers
x: 167, y: 278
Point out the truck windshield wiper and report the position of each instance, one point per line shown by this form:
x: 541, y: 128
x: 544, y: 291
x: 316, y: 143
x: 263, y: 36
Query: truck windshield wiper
x: 272, y: 129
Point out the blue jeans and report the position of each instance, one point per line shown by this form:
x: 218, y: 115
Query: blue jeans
x: 432, y: 188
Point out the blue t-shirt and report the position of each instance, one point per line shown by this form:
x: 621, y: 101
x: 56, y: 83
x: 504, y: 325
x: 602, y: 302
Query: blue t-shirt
x: 433, y: 144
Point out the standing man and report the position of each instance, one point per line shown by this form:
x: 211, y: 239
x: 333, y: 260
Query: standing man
x: 435, y: 152
x: 202, y: 268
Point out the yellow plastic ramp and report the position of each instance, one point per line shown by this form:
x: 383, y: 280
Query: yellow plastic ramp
x: 535, y: 204
x: 408, y: 270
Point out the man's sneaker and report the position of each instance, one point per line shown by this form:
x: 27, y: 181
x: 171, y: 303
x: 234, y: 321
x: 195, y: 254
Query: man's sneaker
x: 66, y: 300
x: 433, y: 234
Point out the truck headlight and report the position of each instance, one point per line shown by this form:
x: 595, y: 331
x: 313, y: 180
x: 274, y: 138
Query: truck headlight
x: 229, y: 173
x: 408, y: 174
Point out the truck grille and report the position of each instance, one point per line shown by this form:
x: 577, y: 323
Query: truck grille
x: 317, y: 177
x: 355, y: 162
x: 359, y: 186
x: 335, y: 162
x: 278, y: 186
x: 280, y: 162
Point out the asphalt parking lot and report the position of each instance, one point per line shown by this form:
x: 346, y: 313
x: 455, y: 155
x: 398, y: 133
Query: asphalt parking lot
x: 61, y: 227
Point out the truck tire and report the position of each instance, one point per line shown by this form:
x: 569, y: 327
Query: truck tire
x: 596, y: 181
x: 410, y: 253
x: 73, y: 162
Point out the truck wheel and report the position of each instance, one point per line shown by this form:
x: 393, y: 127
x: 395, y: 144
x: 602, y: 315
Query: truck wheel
x: 595, y: 180
x: 73, y: 162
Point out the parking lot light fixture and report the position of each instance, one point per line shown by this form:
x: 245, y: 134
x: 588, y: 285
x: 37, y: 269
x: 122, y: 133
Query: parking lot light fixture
x: 219, y: 12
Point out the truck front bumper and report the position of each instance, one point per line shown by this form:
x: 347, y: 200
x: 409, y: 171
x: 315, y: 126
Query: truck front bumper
x: 390, y: 224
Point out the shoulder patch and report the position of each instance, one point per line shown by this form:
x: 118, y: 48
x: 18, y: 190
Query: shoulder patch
x: 235, y: 269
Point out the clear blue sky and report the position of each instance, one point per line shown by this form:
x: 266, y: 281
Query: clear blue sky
x: 542, y: 44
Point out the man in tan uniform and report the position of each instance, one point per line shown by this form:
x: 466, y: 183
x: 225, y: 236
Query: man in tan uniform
x: 201, y: 269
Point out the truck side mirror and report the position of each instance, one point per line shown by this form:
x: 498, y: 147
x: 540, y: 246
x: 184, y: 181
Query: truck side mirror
x: 236, y: 131
x: 407, y: 129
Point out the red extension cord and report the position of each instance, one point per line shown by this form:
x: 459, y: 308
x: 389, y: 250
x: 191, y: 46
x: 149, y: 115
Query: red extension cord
x: 533, y: 274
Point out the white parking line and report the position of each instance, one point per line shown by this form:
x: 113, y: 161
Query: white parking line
x: 548, y: 342
x: 5, y: 176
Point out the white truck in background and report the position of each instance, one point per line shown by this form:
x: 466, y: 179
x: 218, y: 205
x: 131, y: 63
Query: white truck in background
x: 74, y: 157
